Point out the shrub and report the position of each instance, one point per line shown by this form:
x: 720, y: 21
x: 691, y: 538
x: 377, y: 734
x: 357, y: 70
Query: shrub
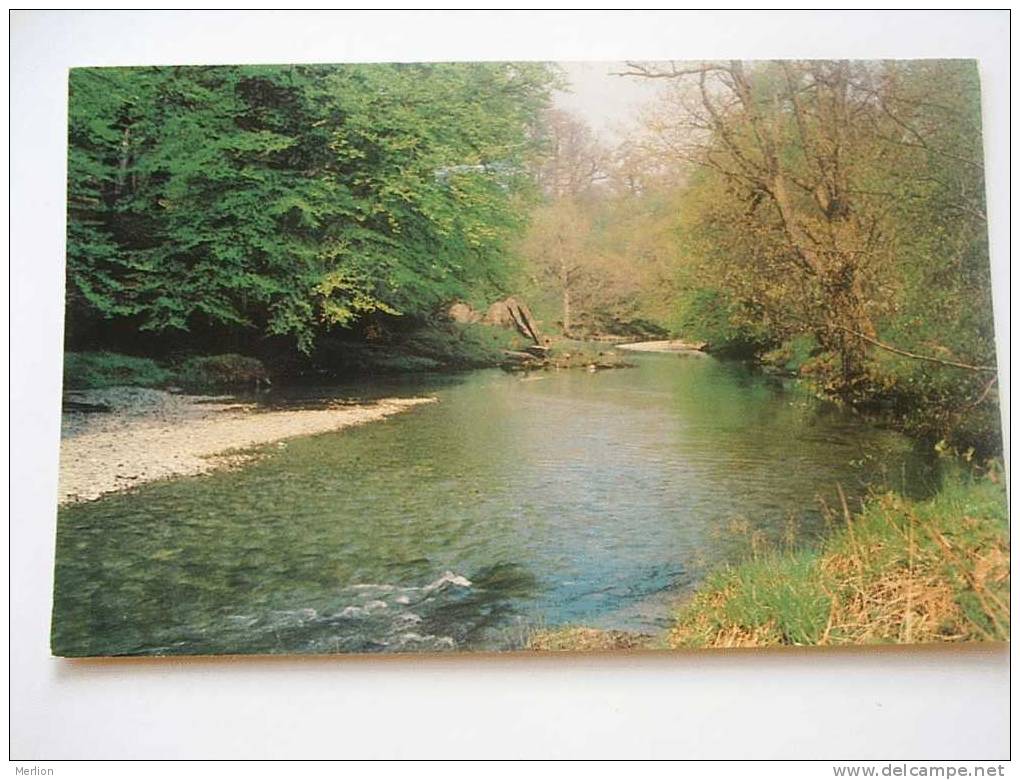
x: 221, y: 371
x: 899, y: 571
x: 95, y: 370
x: 710, y: 316
x: 462, y: 346
x: 792, y: 355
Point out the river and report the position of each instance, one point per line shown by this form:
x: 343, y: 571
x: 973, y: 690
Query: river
x: 516, y: 502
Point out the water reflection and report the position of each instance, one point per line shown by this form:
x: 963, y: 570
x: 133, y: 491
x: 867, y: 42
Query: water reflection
x: 514, y: 502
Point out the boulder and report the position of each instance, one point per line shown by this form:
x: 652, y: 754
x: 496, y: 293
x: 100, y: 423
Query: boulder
x: 498, y: 314
x: 511, y: 313
x: 462, y: 313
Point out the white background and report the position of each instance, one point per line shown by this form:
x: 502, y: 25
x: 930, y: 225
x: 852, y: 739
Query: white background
x: 949, y: 703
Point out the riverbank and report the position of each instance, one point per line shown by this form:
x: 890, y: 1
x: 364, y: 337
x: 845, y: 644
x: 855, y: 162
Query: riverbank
x: 116, y: 438
x: 438, y: 348
x: 899, y: 571
x: 675, y: 345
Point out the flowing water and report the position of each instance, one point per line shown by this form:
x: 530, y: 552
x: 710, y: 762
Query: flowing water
x: 514, y: 503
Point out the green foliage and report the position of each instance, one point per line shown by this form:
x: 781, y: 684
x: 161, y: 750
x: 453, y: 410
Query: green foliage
x: 793, y: 356
x: 713, y: 316
x: 424, y: 346
x: 944, y: 304
x: 901, y: 258
x: 221, y: 371
x: 284, y: 201
x: 783, y: 589
x: 463, y: 346
x: 597, y: 255
x: 95, y: 370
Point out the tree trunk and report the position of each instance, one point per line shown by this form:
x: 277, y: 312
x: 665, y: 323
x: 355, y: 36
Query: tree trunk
x: 845, y: 314
x: 566, y: 310
x: 565, y: 282
x: 125, y: 158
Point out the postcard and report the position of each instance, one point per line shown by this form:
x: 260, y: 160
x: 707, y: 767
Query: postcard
x: 524, y: 356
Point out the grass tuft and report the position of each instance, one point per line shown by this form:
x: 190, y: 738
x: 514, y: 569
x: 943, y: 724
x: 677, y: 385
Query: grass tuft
x: 898, y: 572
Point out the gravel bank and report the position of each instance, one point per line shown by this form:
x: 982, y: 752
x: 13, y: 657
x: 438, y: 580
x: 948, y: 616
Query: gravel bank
x: 664, y: 346
x: 151, y: 434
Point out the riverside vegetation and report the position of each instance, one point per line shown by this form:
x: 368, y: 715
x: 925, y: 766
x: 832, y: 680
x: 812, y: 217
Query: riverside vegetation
x: 824, y: 221
x: 897, y: 571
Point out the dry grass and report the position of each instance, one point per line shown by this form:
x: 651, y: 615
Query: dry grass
x: 579, y: 639
x: 899, y: 572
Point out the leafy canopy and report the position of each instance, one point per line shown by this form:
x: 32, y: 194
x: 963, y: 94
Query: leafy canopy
x: 287, y: 200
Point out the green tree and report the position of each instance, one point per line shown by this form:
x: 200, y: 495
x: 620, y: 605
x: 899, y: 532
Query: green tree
x: 842, y: 202
x: 282, y: 201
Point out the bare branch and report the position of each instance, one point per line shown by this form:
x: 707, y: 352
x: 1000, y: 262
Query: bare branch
x: 644, y: 70
x: 912, y: 355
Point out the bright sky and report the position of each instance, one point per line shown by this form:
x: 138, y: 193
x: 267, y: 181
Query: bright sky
x: 605, y: 102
